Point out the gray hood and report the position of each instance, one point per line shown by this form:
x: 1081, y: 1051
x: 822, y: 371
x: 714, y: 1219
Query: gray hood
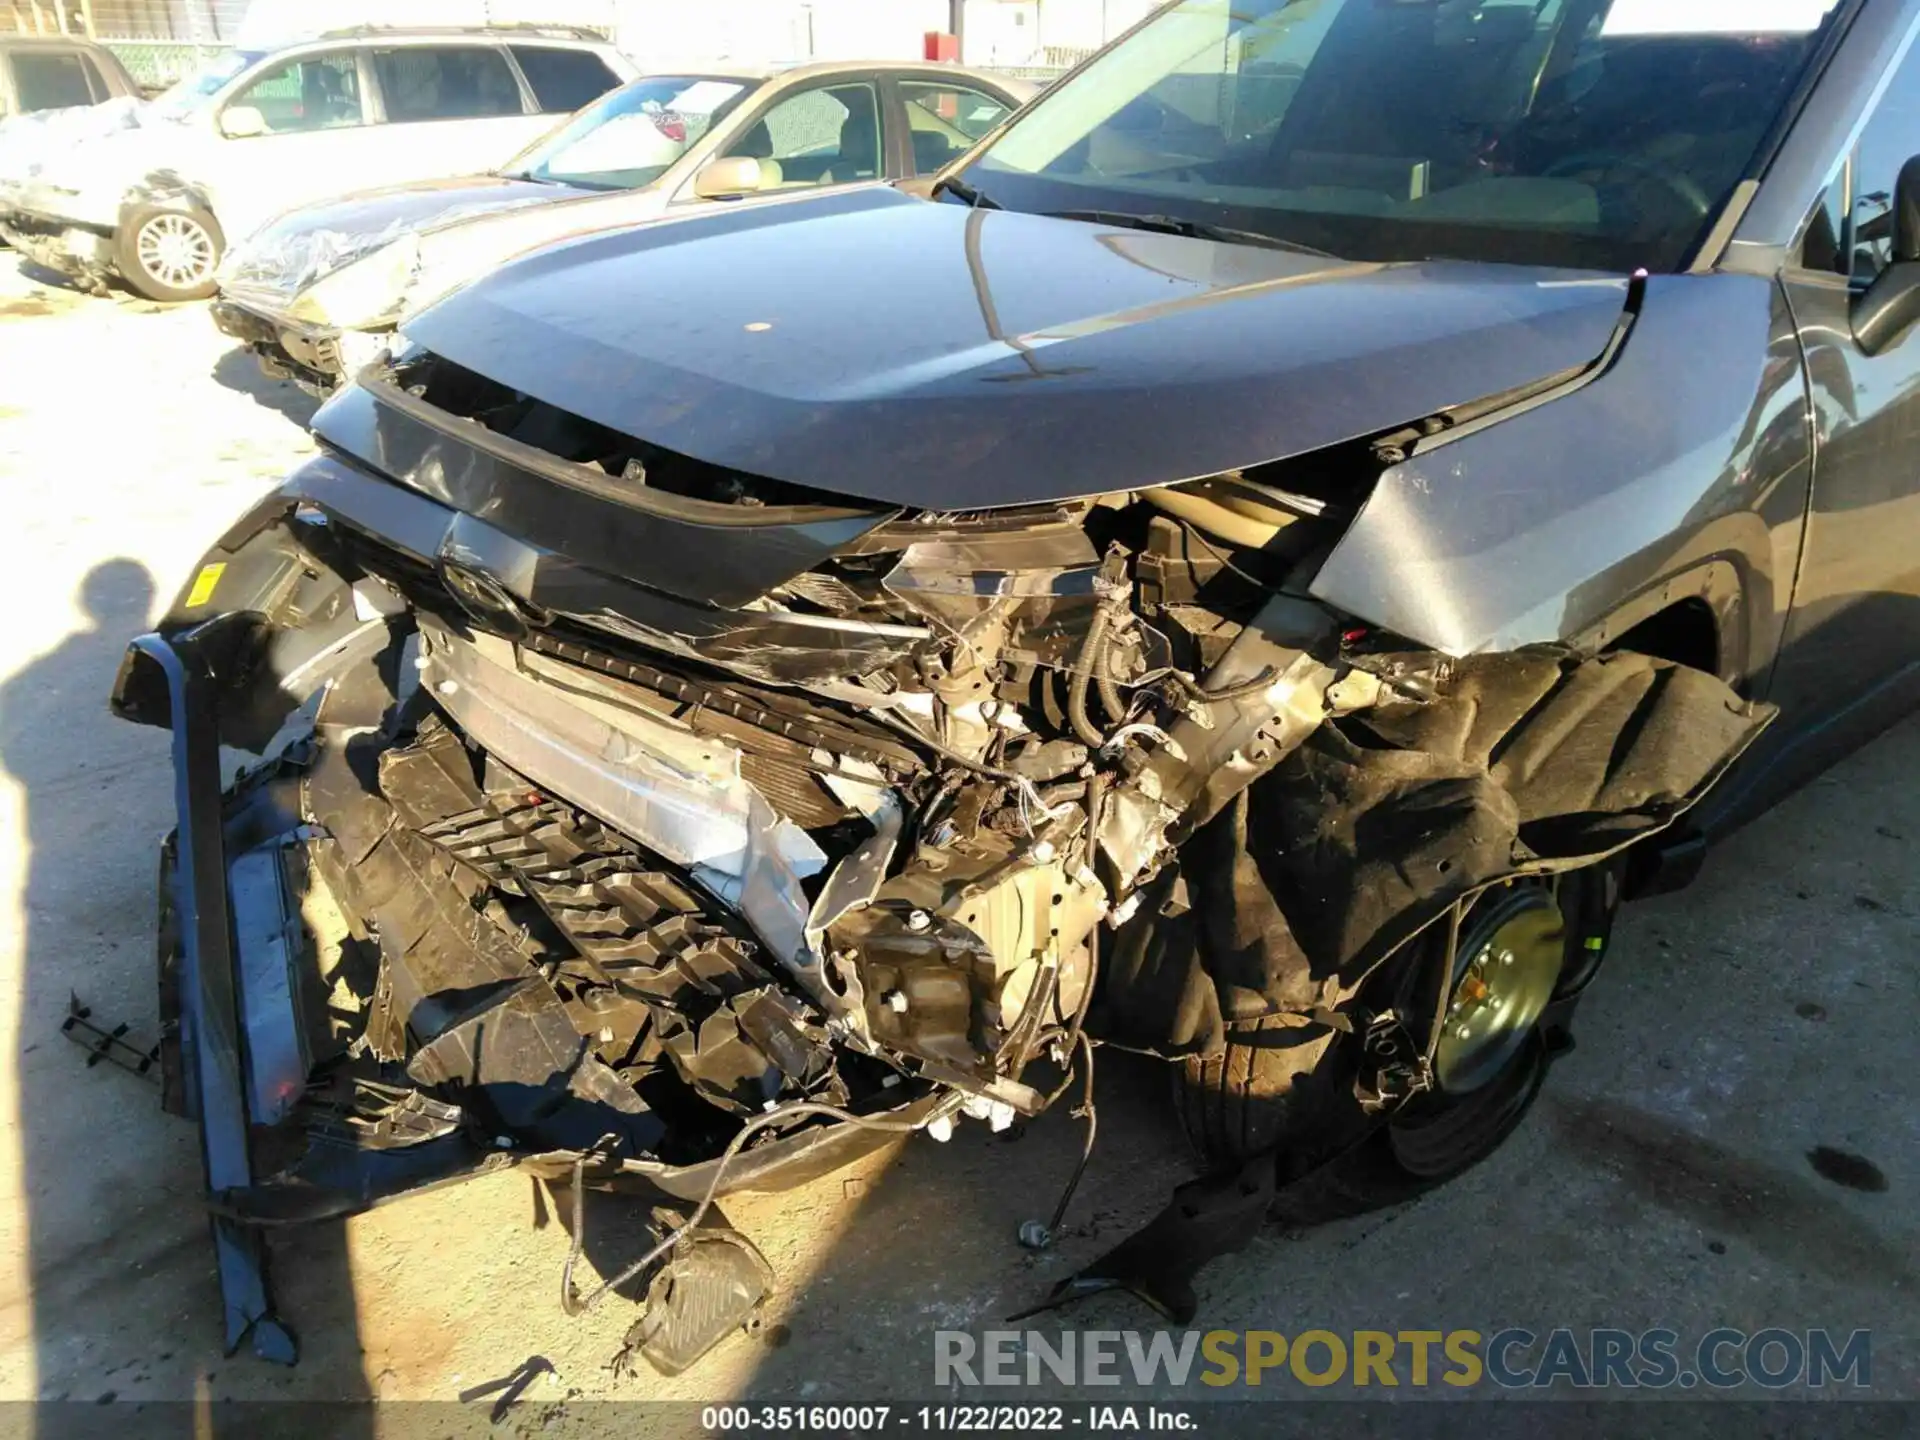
x: 884, y: 347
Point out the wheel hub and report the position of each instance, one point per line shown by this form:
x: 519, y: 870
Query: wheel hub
x: 1509, y: 960
x: 176, y: 251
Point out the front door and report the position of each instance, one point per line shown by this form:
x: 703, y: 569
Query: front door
x: 319, y: 140
x: 1851, y: 662
x: 824, y: 134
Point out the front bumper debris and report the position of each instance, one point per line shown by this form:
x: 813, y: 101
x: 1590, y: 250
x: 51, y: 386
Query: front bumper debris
x: 308, y: 355
x: 75, y: 251
x: 273, y: 922
x: 213, y: 1070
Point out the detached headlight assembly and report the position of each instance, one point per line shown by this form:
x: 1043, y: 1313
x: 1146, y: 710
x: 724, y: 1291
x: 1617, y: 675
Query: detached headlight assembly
x: 370, y: 292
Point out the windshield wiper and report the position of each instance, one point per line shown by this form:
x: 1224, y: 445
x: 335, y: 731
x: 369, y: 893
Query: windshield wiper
x: 1192, y: 229
x: 965, y: 193
x: 561, y: 182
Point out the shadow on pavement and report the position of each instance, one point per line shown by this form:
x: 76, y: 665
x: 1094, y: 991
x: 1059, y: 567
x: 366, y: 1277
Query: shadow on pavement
x: 122, y: 1297
x: 239, y: 371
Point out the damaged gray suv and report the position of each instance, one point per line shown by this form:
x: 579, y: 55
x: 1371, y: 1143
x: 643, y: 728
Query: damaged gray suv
x: 1254, y: 569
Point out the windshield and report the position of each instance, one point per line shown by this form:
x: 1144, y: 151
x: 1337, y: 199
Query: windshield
x: 185, y: 96
x: 1592, y: 133
x: 631, y: 137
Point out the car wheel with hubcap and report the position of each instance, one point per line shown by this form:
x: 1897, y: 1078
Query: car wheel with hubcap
x: 170, y: 255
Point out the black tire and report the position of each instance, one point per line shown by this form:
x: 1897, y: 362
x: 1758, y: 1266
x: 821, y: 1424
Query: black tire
x: 146, y: 236
x: 1289, y: 1090
x: 1273, y: 1084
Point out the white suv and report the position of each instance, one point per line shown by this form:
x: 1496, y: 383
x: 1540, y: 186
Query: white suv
x: 259, y: 132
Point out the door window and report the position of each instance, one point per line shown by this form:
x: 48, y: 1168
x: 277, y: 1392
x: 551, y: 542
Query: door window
x: 1891, y: 138
x: 51, y: 82
x: 564, y: 80
x: 828, y: 136
x: 453, y: 82
x: 316, y: 92
x: 944, y: 121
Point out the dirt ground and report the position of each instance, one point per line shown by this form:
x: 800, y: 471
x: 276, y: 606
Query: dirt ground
x: 1665, y: 1180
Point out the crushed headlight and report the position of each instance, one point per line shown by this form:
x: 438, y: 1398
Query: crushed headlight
x: 371, y: 291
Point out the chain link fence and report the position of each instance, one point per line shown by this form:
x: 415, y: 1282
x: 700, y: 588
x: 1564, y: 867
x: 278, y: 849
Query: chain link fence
x: 156, y: 64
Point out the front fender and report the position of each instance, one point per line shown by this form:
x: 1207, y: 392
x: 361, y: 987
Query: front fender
x: 1686, y: 464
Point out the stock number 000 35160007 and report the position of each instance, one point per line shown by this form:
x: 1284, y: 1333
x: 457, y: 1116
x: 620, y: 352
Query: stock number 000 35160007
x: 846, y: 1419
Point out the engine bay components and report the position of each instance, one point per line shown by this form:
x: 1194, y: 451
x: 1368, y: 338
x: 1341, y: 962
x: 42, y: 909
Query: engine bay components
x: 688, y: 879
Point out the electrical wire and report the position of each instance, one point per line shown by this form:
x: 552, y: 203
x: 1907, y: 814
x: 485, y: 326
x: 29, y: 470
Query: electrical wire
x: 1076, y: 1027
x: 1030, y: 801
x: 946, y: 752
x: 1093, y: 1130
x: 1263, y: 681
x: 573, y: 1304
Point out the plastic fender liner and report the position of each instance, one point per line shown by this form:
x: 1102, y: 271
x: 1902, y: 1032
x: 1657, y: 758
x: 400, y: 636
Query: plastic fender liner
x: 1506, y: 765
x: 1525, y: 763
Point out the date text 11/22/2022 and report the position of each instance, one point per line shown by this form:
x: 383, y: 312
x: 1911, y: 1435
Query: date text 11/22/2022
x: 932, y: 1419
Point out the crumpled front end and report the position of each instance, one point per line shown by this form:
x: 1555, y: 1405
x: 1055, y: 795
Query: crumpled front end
x: 639, y: 819
x: 315, y: 294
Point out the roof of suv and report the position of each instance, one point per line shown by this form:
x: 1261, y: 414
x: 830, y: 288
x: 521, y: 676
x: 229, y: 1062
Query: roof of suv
x: 428, y: 34
x: 814, y: 69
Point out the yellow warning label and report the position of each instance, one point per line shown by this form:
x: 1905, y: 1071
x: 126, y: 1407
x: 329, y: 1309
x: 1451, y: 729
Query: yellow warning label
x: 203, y: 585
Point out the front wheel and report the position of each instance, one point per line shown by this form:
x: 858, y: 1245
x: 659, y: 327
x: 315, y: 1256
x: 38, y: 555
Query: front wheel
x: 1522, y: 948
x: 170, y: 255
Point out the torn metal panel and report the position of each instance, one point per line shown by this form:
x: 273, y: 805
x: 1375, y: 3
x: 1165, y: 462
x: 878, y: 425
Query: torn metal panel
x: 697, y: 548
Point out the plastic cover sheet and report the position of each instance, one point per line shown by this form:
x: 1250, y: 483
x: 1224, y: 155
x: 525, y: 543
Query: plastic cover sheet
x: 26, y: 141
x: 284, y: 259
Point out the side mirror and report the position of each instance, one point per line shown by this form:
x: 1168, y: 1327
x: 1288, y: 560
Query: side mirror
x: 1891, y: 305
x: 728, y: 179
x: 242, y: 122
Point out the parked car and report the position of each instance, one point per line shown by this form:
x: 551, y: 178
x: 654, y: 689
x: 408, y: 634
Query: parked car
x: 259, y: 132
x: 1252, y: 571
x: 316, y: 293
x: 39, y: 73
x: 53, y: 94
